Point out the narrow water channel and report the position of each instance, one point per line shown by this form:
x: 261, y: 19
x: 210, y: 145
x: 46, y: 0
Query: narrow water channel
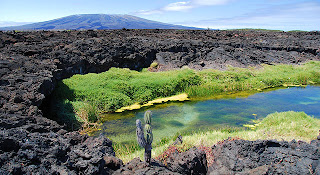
x: 227, y: 110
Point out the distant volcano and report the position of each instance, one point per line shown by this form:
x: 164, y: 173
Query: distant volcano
x: 97, y: 21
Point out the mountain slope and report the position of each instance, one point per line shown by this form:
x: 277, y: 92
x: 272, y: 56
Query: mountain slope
x: 97, y: 21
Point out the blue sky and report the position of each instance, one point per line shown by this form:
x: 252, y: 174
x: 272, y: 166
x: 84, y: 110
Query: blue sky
x: 215, y: 14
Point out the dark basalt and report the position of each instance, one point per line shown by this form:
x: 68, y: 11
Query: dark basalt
x: 32, y: 62
x: 136, y: 166
x: 237, y: 157
x: 266, y: 157
x: 192, y: 161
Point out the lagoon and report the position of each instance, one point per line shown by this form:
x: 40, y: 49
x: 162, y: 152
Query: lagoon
x: 227, y: 110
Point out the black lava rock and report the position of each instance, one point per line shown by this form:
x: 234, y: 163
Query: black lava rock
x: 31, y: 63
x: 265, y: 157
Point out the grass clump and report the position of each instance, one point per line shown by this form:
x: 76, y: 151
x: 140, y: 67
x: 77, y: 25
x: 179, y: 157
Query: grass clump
x: 289, y: 125
x: 116, y: 88
x: 240, y: 79
x: 279, y: 126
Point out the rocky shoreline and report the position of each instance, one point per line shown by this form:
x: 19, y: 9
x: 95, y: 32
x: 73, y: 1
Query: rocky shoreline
x: 32, y: 62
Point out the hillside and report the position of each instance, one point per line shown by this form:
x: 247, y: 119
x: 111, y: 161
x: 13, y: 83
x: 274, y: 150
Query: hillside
x: 96, y: 21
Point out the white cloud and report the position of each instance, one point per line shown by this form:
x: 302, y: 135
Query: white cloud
x: 148, y: 12
x: 177, y: 6
x: 210, y: 2
x: 184, y: 5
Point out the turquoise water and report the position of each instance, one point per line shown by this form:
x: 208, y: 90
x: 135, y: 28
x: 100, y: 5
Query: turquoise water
x: 232, y: 110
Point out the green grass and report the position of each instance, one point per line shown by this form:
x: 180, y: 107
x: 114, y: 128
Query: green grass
x: 116, y: 88
x: 279, y: 126
x: 82, y: 97
x: 240, y: 79
x: 297, y: 31
x: 255, y: 29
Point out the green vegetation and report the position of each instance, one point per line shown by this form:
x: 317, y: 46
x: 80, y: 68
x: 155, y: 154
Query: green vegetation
x: 254, y: 29
x: 239, y: 79
x: 116, y: 88
x: 154, y: 64
x: 297, y: 31
x: 82, y: 97
x: 265, y: 30
x: 280, y: 126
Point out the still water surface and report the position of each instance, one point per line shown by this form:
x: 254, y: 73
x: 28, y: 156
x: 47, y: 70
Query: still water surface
x: 227, y: 110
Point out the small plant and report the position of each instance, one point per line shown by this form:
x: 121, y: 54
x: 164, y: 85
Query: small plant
x: 89, y: 118
x: 154, y: 64
x: 145, y: 142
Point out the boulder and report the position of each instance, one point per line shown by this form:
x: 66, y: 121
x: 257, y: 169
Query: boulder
x: 136, y: 166
x: 265, y: 157
x: 192, y: 161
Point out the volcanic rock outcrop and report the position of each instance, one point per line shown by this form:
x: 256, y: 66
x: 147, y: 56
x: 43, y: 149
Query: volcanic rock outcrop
x: 237, y: 157
x: 32, y: 62
x: 265, y: 157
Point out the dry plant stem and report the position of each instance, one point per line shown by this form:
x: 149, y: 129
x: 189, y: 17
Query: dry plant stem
x: 86, y: 125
